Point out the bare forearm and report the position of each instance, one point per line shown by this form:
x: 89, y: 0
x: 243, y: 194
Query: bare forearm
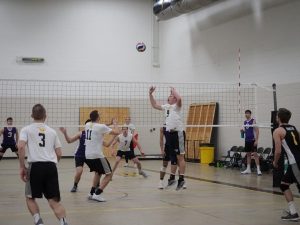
x: 21, y: 153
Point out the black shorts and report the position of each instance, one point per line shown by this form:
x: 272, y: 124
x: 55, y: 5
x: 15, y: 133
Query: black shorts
x: 4, y: 147
x: 79, y: 161
x: 169, y: 157
x: 292, y: 175
x: 176, y: 142
x: 128, y: 155
x: 100, y: 165
x: 43, y: 180
x: 249, y: 146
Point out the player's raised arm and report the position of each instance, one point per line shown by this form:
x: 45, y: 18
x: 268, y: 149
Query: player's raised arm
x: 152, y: 100
x: 67, y: 137
x: 177, y: 96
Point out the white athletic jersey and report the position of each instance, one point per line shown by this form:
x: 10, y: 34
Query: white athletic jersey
x: 131, y: 127
x: 173, y: 117
x: 94, y: 133
x: 124, y: 142
x: 41, y: 142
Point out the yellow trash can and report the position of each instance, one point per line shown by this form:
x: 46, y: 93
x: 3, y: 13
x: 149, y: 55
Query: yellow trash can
x: 207, y: 153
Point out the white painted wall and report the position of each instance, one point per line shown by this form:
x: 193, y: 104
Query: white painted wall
x: 196, y: 48
x: 81, y: 40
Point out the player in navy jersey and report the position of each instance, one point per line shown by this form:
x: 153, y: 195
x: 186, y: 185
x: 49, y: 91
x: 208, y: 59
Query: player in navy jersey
x: 10, y: 138
x: 286, y: 139
x: 79, y: 154
x: 251, y: 134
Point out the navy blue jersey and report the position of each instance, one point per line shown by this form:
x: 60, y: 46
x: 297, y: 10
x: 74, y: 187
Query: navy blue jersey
x: 249, y: 130
x: 291, y: 144
x: 81, y: 147
x: 9, y: 134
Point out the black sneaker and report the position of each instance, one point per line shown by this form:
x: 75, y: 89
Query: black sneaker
x: 39, y: 222
x: 74, y: 189
x: 171, y: 183
x: 290, y: 217
x: 180, y: 185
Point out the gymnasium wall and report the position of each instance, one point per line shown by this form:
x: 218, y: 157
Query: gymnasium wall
x: 80, y: 40
x: 201, y: 47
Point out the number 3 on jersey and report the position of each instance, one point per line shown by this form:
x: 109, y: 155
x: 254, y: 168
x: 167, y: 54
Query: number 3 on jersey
x: 43, y: 136
x: 88, y: 134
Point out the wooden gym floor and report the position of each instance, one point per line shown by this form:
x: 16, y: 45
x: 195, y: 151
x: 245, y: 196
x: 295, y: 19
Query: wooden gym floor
x: 213, y: 196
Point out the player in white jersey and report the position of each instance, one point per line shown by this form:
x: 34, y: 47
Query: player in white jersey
x: 133, y: 131
x: 175, y: 135
x: 124, y: 141
x: 95, y: 159
x: 41, y: 177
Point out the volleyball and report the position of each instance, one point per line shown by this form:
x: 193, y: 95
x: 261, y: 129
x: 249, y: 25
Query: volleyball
x: 140, y: 47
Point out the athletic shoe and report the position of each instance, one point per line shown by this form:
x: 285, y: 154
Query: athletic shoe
x: 161, y: 184
x: 39, y: 222
x: 74, y: 189
x: 259, y: 173
x: 171, y: 183
x: 184, y: 186
x: 65, y: 223
x: 143, y: 174
x: 126, y: 165
x: 90, y: 196
x: 246, y: 172
x: 180, y: 185
x: 98, y: 198
x: 290, y: 217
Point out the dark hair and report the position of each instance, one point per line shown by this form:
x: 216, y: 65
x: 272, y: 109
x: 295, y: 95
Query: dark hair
x: 9, y: 118
x: 87, y: 121
x: 248, y: 111
x: 94, y: 115
x: 284, y: 115
x: 38, y: 112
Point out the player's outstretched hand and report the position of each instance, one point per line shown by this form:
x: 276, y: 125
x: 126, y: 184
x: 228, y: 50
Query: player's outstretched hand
x: 63, y: 129
x: 151, y: 90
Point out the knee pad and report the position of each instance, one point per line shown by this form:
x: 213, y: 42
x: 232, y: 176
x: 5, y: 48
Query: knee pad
x: 163, y: 169
x: 284, y: 187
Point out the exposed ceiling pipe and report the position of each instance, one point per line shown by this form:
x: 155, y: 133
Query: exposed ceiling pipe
x: 166, y: 9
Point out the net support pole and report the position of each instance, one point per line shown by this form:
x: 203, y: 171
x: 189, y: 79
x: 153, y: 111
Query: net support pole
x: 277, y: 173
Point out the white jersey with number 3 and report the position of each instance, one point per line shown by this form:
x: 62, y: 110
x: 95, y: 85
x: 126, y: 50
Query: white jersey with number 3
x: 124, y: 142
x: 41, y: 142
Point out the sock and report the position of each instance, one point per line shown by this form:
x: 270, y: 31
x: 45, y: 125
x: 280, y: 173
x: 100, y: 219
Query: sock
x: 292, y: 207
x: 172, y: 177
x: 98, y: 191
x: 62, y: 221
x: 92, y: 190
x: 258, y: 168
x: 181, y: 177
x: 75, y: 184
x: 36, y: 217
x: 248, y: 167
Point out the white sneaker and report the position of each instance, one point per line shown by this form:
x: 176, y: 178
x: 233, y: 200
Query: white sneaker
x: 184, y: 186
x: 98, y: 198
x: 246, y: 171
x: 126, y: 165
x: 259, y: 173
x: 143, y: 174
x: 161, y: 184
x: 89, y: 197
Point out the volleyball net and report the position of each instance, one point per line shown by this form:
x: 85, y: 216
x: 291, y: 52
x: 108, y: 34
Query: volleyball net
x: 68, y: 103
